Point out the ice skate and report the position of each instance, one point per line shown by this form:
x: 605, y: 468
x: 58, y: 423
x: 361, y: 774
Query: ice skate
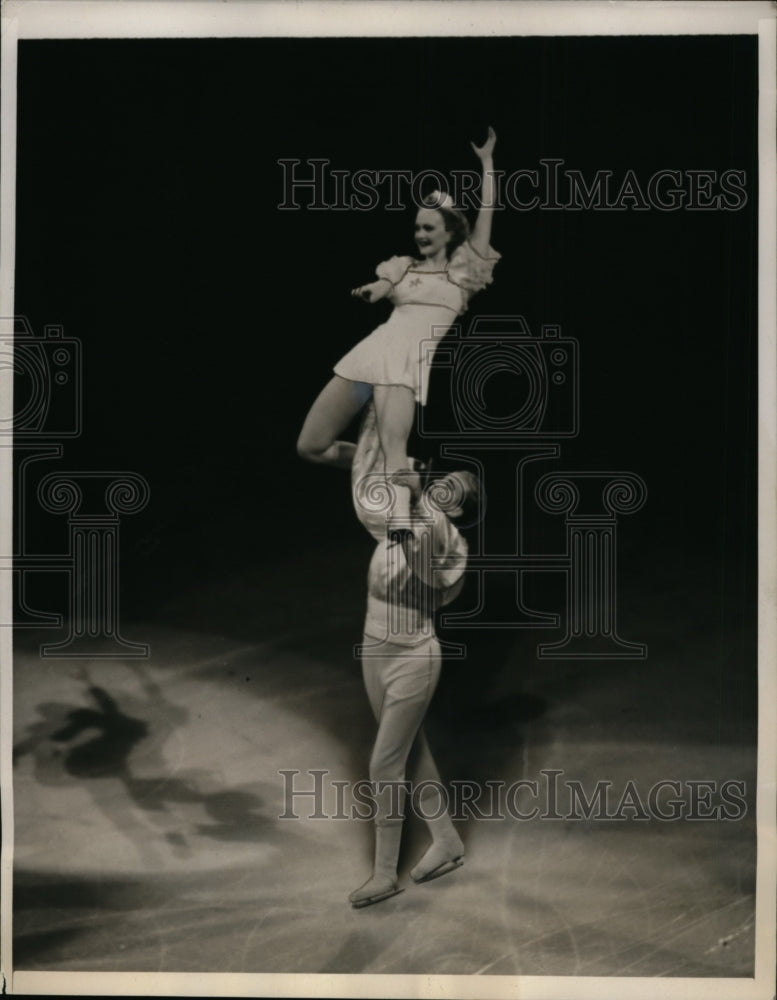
x: 374, y: 890
x: 384, y: 883
x: 445, y: 854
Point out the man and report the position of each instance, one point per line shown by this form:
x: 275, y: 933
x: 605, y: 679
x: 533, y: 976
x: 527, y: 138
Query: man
x: 418, y: 566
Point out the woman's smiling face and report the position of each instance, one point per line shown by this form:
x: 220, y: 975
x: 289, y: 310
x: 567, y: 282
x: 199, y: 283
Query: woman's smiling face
x: 431, y: 236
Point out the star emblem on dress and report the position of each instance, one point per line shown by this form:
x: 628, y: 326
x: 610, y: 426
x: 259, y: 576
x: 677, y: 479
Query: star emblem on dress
x: 414, y: 282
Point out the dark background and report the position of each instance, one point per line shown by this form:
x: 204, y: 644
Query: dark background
x: 147, y: 225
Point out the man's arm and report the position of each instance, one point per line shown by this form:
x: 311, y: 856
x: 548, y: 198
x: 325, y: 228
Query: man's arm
x: 435, y: 550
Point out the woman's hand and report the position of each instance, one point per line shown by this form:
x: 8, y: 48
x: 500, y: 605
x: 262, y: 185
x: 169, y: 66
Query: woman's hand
x: 486, y: 151
x: 374, y: 291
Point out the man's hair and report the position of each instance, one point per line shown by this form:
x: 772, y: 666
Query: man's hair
x: 460, y: 496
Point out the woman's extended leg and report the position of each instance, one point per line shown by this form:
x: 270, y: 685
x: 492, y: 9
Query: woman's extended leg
x: 395, y: 409
x: 334, y: 408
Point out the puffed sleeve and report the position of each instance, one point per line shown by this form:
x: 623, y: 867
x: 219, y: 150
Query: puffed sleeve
x: 446, y: 546
x: 470, y: 269
x: 393, y: 269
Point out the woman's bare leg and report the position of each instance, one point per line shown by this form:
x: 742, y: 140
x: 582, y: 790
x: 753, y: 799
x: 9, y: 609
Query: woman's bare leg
x: 334, y: 408
x: 395, y: 409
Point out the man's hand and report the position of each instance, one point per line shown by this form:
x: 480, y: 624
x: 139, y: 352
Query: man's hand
x: 410, y: 479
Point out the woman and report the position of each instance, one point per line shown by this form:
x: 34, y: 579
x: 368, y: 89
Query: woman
x: 387, y: 366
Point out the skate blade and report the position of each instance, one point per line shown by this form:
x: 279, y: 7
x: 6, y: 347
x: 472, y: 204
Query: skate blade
x: 443, y: 869
x: 359, y: 903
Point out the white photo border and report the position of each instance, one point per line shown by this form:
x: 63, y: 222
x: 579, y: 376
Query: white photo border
x: 135, y: 18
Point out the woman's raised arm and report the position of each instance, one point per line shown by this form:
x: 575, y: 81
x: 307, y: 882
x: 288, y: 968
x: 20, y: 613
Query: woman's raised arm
x: 481, y: 233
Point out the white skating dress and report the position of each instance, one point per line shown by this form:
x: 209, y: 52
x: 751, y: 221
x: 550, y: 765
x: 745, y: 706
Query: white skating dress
x: 426, y: 304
